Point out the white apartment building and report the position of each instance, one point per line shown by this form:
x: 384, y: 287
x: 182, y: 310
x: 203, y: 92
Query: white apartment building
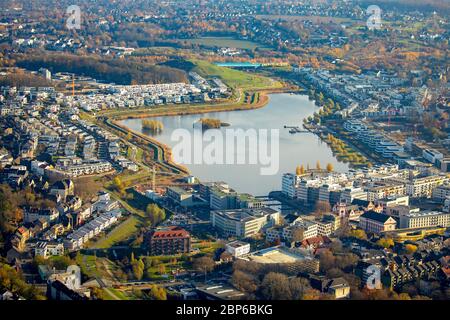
x: 47, y: 249
x: 244, y: 223
x: 441, y: 192
x: 310, y: 229
x: 393, y: 201
x: 289, y: 185
x: 350, y: 194
x: 85, y: 168
x: 325, y: 228
x: 274, y: 234
x: 423, y: 219
x: 432, y: 155
x: 385, y: 191
x: 423, y: 187
x: 238, y: 248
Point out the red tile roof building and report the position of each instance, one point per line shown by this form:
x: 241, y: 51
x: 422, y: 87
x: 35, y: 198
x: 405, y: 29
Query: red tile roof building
x: 170, y: 240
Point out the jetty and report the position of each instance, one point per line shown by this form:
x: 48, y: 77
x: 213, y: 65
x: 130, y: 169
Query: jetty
x: 295, y: 129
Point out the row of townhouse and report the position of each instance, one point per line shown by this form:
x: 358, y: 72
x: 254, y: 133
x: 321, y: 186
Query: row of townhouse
x: 133, y: 96
x: 378, y: 142
x: 81, y: 236
x: 86, y: 167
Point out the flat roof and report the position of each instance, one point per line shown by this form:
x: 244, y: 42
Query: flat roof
x: 275, y: 255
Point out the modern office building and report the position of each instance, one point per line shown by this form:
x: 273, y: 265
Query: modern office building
x: 243, y: 223
x: 237, y: 248
x: 423, y: 219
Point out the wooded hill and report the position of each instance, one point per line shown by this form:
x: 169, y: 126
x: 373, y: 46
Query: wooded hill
x: 119, y: 71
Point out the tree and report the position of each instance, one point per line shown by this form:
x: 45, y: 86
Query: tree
x: 204, y: 264
x: 359, y: 234
x: 322, y: 207
x: 299, y: 170
x: 410, y: 248
x: 447, y: 243
x: 386, y: 242
x: 275, y: 286
x: 11, y: 280
x: 318, y: 165
x: 297, y: 234
x: 155, y: 213
x: 327, y: 260
x: 330, y: 167
x: 244, y: 281
x: 346, y: 261
x: 157, y: 293
x: 137, y: 266
x: 298, y: 287
x: 97, y: 293
x: 118, y: 185
x: 311, y: 294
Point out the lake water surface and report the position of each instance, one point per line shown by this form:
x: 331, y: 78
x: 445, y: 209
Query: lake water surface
x: 294, y: 149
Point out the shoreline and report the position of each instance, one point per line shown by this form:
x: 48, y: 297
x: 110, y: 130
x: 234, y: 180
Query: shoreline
x: 165, y: 150
x: 181, y: 109
x: 264, y: 100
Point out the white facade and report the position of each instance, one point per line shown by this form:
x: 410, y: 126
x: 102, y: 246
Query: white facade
x: 237, y: 248
x: 425, y: 219
x: 423, y: 187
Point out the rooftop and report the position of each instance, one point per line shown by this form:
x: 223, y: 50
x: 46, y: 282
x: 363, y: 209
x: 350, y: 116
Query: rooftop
x: 172, y: 232
x: 276, y: 254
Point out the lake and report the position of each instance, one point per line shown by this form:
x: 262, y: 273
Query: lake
x: 294, y: 149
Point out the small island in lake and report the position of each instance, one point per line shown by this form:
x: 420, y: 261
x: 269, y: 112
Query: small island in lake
x: 209, y: 123
x: 153, y: 125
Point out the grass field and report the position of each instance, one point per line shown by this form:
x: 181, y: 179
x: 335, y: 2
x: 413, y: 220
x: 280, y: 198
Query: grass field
x: 114, y: 294
x: 235, y: 78
x: 119, y: 233
x: 224, y: 42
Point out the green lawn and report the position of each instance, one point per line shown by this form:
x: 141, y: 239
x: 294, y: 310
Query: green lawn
x: 224, y: 42
x: 122, y: 232
x: 234, y: 78
x: 114, y: 294
x: 88, y: 265
x: 169, y: 264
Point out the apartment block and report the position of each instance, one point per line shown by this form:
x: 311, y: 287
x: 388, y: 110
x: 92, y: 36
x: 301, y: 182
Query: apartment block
x: 244, y: 223
x: 169, y: 241
x: 422, y: 219
x: 423, y: 187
